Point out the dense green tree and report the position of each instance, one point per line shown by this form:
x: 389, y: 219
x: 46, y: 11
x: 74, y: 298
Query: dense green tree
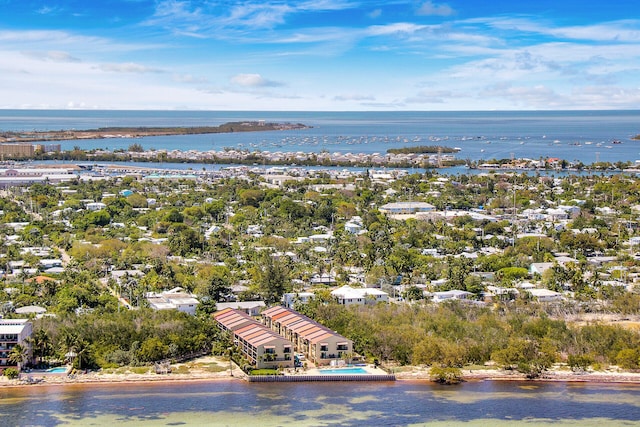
x: 271, y: 278
x: 184, y: 241
x: 153, y: 349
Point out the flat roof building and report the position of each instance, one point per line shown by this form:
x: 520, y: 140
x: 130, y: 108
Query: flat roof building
x: 175, y: 299
x: 346, y: 295
x: 397, y: 208
x: 13, y: 332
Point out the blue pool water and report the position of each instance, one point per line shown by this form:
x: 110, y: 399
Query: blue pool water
x: 343, y: 371
x: 60, y: 370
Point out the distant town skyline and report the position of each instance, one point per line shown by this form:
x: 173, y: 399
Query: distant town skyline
x: 313, y: 55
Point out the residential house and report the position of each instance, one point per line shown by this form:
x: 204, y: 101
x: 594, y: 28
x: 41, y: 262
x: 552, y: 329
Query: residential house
x: 539, y: 267
x: 406, y: 208
x: 572, y: 211
x: 95, y: 206
x: 174, y: 299
x: 354, y: 226
x: 323, y: 279
x: 289, y: 299
x: 346, y: 295
x: 252, y: 308
x: 557, y: 214
x: 50, y: 263
x: 454, y: 294
x: 494, y: 293
x: 545, y: 295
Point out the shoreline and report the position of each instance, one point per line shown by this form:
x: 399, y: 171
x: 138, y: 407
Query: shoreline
x: 114, y: 132
x: 553, y: 375
x: 410, y: 374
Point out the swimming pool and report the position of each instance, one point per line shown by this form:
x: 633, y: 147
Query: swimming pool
x: 60, y: 370
x: 343, y: 371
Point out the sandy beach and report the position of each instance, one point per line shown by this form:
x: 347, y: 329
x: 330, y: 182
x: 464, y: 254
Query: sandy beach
x: 211, y: 368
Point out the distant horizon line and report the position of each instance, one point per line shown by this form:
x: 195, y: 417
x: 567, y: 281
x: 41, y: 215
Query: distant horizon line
x: 320, y: 111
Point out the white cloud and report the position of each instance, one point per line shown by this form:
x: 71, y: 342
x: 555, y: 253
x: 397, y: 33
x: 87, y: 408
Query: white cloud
x: 215, y: 20
x: 258, y: 15
x: 53, y: 40
x: 538, y: 96
x: 253, y: 81
x: 47, y: 10
x: 129, y: 67
x: 189, y: 79
x: 326, y: 5
x: 354, y: 97
x: 376, y: 13
x: 430, y: 8
x: 52, y: 55
x: 432, y: 96
x: 616, y: 31
x: 395, y: 28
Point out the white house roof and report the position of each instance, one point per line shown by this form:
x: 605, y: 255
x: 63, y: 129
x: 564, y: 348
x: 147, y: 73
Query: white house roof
x: 537, y: 292
x: 242, y: 305
x: 31, y: 309
x: 347, y: 292
x: 12, y: 326
x: 454, y: 293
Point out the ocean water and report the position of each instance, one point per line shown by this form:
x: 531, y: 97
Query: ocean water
x: 400, y: 403
x: 587, y: 136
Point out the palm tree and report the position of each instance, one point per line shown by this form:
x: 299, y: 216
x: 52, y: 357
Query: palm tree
x: 75, y: 348
x: 42, y: 347
x: 83, y: 351
x: 19, y: 355
x: 67, y: 345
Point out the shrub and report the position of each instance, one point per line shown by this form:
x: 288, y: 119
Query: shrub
x: 446, y: 375
x: 11, y: 373
x: 579, y: 362
x: 628, y: 358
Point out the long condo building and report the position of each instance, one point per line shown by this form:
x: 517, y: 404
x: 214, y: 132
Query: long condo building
x: 318, y: 343
x: 264, y: 348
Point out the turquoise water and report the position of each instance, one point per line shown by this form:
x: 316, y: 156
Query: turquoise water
x: 572, y: 135
x: 343, y: 371
x: 60, y: 370
x: 399, y: 403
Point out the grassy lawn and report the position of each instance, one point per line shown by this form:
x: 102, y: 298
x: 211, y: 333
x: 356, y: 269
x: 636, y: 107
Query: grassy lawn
x: 214, y: 367
x: 264, y: 372
x: 127, y: 370
x: 182, y: 369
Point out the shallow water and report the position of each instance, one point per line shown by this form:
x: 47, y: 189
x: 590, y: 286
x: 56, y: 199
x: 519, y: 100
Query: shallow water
x: 237, y: 403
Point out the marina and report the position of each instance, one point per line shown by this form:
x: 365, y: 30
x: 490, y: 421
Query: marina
x: 478, y: 135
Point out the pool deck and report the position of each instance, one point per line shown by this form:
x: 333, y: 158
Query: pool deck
x: 37, y: 374
x: 315, y: 374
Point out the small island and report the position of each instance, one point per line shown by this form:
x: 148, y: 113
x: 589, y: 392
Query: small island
x: 140, y: 132
x: 423, y: 149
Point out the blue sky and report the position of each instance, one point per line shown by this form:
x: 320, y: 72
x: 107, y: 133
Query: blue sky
x: 320, y: 54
